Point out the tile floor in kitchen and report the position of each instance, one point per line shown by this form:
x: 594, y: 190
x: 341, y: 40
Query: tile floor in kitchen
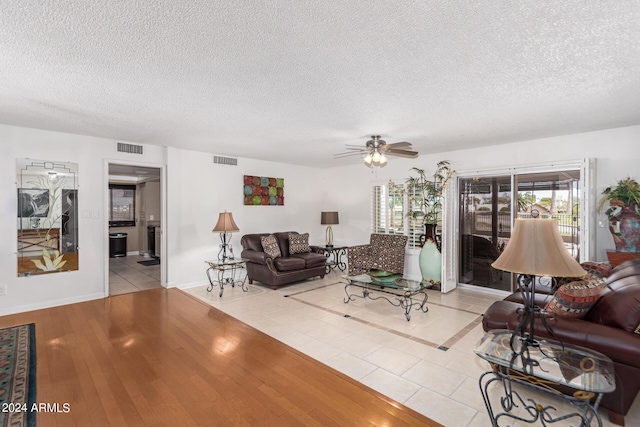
x: 127, y: 275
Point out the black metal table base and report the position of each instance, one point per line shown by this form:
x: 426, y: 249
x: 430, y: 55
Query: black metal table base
x: 585, y: 413
x: 336, y: 262
x: 221, y: 281
x: 403, y: 299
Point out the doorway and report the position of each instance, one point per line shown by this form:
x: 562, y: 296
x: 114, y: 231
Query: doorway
x: 135, y: 215
x: 488, y: 206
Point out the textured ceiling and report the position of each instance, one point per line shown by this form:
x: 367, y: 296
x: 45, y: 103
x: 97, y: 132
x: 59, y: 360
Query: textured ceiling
x: 295, y: 80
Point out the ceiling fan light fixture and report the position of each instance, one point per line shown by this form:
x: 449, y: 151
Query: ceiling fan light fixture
x: 376, y: 157
x: 376, y: 150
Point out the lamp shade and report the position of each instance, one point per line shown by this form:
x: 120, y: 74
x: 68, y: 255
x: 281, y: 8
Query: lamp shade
x: 536, y: 248
x: 226, y: 223
x: 329, y: 218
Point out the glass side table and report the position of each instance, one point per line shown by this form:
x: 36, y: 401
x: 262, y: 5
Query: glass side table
x: 548, y: 366
x: 334, y: 256
x: 228, y: 273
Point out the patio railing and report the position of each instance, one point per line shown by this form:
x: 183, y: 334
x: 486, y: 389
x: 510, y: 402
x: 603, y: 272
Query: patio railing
x: 481, y: 222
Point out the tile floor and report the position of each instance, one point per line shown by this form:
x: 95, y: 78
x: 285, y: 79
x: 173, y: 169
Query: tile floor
x: 126, y: 275
x: 427, y: 363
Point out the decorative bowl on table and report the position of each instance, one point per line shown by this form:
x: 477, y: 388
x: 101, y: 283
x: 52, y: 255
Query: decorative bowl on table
x: 383, y: 277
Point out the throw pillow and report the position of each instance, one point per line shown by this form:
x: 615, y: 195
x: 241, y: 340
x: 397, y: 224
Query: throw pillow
x: 270, y: 246
x: 593, y: 269
x: 637, y: 331
x: 602, y: 269
x: 299, y: 243
x: 575, y: 299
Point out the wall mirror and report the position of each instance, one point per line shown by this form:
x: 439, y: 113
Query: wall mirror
x: 47, y: 217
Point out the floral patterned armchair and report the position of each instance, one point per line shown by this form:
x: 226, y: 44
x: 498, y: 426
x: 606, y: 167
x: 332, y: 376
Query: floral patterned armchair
x: 384, y: 252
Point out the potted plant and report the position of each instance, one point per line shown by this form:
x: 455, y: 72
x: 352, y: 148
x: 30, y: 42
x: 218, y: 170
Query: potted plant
x: 425, y: 208
x: 425, y: 196
x: 623, y: 200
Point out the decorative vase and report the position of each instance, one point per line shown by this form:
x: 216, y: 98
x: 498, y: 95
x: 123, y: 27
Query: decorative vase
x: 430, y: 258
x: 625, y: 229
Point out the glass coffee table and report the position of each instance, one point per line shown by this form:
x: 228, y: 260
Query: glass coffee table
x: 404, y: 293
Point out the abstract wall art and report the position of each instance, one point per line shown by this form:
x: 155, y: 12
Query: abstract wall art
x: 263, y: 191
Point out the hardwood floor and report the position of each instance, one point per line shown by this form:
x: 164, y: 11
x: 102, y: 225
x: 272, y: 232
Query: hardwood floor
x: 161, y: 357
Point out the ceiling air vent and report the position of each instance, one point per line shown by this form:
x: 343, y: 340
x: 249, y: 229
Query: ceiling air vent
x: 225, y: 160
x: 121, y: 147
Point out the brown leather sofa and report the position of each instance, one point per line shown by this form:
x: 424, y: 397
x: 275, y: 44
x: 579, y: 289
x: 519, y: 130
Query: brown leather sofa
x: 284, y: 269
x: 608, y: 327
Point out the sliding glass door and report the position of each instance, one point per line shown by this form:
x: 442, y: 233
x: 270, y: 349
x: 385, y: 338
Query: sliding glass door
x: 553, y: 195
x: 488, y: 206
x: 485, y: 226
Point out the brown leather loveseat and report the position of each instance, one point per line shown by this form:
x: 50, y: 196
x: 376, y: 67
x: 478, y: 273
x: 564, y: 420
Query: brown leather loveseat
x: 611, y: 326
x: 284, y: 268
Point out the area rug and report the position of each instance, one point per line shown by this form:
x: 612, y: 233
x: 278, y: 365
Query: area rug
x: 155, y: 261
x: 18, y: 376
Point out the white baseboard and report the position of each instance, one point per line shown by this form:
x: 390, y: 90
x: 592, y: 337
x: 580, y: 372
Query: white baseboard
x: 191, y: 285
x: 49, y: 304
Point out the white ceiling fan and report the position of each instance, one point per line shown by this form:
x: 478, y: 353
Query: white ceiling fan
x: 376, y: 150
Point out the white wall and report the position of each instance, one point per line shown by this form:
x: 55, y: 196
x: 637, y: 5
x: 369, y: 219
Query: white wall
x: 199, y: 190
x: 27, y: 293
x: 617, y: 154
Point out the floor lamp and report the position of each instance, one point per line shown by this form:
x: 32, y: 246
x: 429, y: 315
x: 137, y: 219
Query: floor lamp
x: 225, y: 226
x: 535, y: 249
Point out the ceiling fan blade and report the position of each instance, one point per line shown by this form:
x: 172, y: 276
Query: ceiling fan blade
x: 402, y: 153
x: 400, y: 145
x: 342, y: 155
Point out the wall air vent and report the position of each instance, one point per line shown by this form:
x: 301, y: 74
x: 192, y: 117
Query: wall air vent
x: 122, y: 147
x: 225, y: 160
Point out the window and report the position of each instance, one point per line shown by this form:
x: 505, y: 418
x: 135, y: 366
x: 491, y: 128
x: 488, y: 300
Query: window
x: 416, y: 228
x: 389, y: 206
x: 387, y: 209
x: 122, y: 205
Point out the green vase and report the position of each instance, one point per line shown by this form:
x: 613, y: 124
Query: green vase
x: 430, y: 258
